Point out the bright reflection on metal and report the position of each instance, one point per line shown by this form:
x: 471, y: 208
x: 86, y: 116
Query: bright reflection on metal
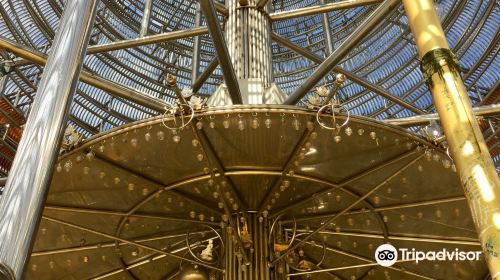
x: 468, y: 149
x: 307, y: 169
x: 496, y: 220
x: 26, y: 188
x: 484, y: 185
x: 311, y: 151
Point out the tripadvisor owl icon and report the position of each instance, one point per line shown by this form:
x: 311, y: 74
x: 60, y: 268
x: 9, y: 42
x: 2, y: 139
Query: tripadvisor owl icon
x: 386, y: 255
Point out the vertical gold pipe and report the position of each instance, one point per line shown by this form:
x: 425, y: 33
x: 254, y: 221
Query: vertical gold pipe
x: 469, y: 151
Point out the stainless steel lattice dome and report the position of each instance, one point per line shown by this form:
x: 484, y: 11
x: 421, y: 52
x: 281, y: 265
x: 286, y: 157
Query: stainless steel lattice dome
x: 386, y: 58
x: 160, y: 176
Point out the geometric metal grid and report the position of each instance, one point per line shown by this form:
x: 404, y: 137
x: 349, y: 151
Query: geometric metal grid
x: 387, y: 57
x: 122, y: 198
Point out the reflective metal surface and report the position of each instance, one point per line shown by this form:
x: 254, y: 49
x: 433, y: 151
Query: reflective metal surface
x: 148, y: 5
x: 123, y: 82
x: 334, y: 58
x: 143, y: 182
x: 26, y: 188
x: 386, y: 58
x: 323, y: 8
x: 117, y: 90
x: 487, y: 110
x: 468, y: 148
x: 221, y: 48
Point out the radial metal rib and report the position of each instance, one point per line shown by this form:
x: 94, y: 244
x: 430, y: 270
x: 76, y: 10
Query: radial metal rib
x: 112, y: 88
x: 369, y: 261
x: 205, y: 74
x: 349, y: 43
x: 352, y: 205
x: 341, y: 5
x: 137, y: 244
x: 379, y: 209
x: 344, y: 183
x: 148, y: 40
x: 123, y: 214
x: 141, y: 239
x: 351, y: 76
x: 402, y: 237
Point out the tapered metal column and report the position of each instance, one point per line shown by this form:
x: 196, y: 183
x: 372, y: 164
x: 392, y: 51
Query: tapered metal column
x: 442, y: 73
x: 148, y: 5
x: 21, y: 204
x: 249, y: 41
x: 248, y: 37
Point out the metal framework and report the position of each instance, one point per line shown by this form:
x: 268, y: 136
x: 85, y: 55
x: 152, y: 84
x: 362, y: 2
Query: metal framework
x: 117, y: 23
x: 135, y: 44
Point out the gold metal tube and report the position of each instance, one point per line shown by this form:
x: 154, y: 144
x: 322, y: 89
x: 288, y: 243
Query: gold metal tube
x: 425, y: 25
x: 468, y: 148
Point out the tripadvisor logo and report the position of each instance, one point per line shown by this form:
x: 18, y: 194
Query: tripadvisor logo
x: 387, y: 255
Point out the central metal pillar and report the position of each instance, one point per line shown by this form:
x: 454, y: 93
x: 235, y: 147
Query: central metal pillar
x: 258, y: 253
x: 468, y: 148
x: 25, y: 192
x: 248, y: 37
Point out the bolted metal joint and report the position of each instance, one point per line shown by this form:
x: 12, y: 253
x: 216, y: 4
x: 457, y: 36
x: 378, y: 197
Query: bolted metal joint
x: 6, y: 273
x: 433, y: 62
x: 171, y: 80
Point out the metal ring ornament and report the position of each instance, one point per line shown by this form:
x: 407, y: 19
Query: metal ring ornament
x: 318, y: 264
x: 188, y: 245
x: 172, y: 110
x: 333, y: 107
x: 294, y: 232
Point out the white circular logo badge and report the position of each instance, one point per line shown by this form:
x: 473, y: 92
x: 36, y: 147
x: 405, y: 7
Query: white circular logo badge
x: 386, y: 255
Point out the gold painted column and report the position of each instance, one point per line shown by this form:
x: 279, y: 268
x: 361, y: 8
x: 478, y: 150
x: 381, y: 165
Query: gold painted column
x: 479, y: 178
